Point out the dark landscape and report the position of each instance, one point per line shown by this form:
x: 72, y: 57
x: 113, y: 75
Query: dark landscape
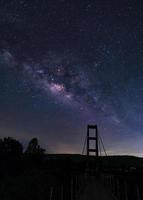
x: 35, y: 175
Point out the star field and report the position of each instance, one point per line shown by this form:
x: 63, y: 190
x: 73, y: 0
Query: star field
x: 65, y: 64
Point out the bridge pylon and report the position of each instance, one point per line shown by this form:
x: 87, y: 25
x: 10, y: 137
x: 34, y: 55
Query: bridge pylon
x: 92, y: 140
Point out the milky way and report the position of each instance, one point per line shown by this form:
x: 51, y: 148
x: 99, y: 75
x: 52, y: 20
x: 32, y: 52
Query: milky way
x: 66, y: 64
x: 66, y: 81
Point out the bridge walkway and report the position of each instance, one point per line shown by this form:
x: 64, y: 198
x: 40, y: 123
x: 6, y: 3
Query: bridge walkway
x: 95, y: 191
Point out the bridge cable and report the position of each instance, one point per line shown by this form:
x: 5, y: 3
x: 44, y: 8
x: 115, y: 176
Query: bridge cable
x: 100, y: 152
x: 84, y: 145
x: 103, y: 145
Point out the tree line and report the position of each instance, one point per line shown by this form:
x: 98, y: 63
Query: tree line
x: 12, y: 147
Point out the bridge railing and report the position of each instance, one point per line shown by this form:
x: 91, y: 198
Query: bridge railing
x: 124, y: 186
x: 69, y: 188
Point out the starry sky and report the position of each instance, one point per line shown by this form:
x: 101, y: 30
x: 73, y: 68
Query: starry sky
x: 65, y: 64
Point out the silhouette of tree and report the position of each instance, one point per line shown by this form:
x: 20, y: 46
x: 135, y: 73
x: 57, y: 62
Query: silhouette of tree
x: 34, y: 148
x: 10, y: 146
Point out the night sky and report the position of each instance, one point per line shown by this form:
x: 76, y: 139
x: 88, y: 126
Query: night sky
x: 66, y: 63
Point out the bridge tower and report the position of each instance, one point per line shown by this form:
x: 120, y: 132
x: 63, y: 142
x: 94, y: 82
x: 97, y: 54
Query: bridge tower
x: 92, y: 140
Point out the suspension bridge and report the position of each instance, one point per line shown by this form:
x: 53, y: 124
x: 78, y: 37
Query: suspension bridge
x: 94, y: 189
x: 92, y: 181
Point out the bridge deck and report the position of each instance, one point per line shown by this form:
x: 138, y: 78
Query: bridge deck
x: 95, y: 191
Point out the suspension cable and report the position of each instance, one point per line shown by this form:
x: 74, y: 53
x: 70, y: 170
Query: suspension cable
x: 100, y: 153
x: 103, y: 145
x: 84, y: 145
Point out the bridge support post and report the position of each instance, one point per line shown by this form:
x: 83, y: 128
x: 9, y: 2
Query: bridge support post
x: 92, y: 139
